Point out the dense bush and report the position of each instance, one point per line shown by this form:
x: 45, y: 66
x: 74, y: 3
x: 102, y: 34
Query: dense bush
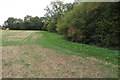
x: 51, y: 27
x: 92, y: 23
x: 54, y: 12
x: 89, y: 23
x: 29, y: 23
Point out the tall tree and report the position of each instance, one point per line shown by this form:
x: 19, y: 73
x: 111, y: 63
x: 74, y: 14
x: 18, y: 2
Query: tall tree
x: 9, y: 23
x: 54, y: 12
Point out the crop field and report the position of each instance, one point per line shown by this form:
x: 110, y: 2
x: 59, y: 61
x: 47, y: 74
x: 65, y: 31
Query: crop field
x: 40, y: 54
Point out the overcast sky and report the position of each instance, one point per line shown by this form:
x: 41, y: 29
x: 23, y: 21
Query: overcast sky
x: 21, y: 8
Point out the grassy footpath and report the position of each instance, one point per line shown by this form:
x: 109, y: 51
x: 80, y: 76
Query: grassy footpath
x: 56, y: 42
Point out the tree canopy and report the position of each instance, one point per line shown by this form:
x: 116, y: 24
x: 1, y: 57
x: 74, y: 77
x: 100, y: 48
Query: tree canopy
x: 89, y: 23
x: 29, y: 23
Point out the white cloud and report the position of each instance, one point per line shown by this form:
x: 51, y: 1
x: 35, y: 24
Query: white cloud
x: 21, y: 8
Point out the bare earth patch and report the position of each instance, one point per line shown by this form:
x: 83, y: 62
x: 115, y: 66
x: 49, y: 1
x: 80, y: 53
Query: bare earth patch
x: 34, y: 61
x: 16, y: 35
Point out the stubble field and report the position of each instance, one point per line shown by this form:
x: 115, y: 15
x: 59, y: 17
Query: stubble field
x: 34, y: 54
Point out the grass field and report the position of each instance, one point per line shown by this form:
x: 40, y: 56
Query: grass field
x: 40, y: 54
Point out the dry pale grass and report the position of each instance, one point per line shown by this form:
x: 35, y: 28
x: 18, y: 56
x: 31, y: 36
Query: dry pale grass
x: 0, y: 62
x: 34, y: 61
x: 16, y: 35
x: 36, y: 36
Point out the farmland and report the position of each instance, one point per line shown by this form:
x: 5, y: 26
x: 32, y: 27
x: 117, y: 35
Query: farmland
x: 40, y: 54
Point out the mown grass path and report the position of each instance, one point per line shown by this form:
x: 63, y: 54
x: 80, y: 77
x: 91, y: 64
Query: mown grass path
x: 40, y: 54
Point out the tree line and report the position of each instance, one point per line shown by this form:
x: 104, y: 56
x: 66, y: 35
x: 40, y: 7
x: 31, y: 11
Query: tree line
x: 29, y: 23
x: 88, y: 23
x: 92, y: 23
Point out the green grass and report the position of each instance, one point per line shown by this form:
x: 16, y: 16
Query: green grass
x: 56, y: 42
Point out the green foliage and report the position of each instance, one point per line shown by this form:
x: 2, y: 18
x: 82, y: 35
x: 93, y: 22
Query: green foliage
x: 29, y: 23
x: 92, y: 23
x: 54, y: 13
x: 51, y: 27
x: 89, y: 23
x: 108, y: 26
